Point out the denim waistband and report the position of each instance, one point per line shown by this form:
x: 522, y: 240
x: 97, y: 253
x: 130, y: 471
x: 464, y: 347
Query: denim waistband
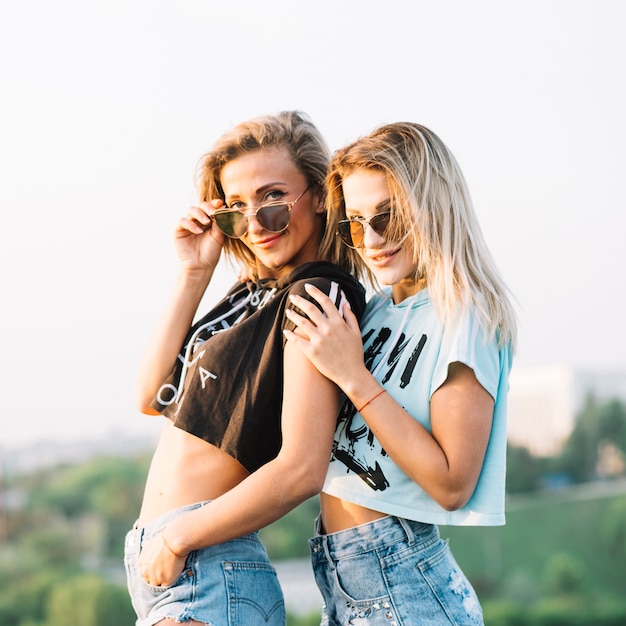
x: 155, y: 526
x: 382, y: 532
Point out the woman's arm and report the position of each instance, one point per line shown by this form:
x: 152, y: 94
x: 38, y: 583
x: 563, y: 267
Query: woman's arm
x: 310, y: 405
x: 445, y: 463
x: 198, y: 247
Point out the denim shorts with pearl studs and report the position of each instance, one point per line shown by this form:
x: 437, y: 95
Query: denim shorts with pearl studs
x: 391, y: 572
x: 230, y: 584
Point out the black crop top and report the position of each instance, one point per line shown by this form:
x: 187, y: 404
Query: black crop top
x: 227, y: 383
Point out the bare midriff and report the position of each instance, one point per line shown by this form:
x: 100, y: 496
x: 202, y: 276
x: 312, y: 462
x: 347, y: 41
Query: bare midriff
x: 339, y: 515
x: 186, y: 469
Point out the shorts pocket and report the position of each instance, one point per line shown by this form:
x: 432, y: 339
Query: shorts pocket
x: 185, y: 576
x: 145, y: 597
x: 254, y: 594
x: 361, y: 579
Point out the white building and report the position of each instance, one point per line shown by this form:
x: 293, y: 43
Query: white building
x: 544, y: 402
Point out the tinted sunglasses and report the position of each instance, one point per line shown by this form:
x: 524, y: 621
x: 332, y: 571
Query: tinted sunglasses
x: 352, y: 232
x: 273, y: 217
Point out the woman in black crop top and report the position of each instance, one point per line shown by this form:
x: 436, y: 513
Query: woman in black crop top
x: 250, y: 420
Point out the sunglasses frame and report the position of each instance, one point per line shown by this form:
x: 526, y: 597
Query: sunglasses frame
x: 362, y: 222
x: 248, y: 215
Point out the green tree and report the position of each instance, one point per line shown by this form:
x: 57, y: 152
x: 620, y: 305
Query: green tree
x: 522, y: 470
x: 612, y: 423
x: 107, y: 487
x: 565, y: 575
x: 87, y: 600
x: 287, y: 537
x: 614, y: 528
x: 505, y: 613
x: 580, y: 454
x: 53, y: 544
x: 24, y: 596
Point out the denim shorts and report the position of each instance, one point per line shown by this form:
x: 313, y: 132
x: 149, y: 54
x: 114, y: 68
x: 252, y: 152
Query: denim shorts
x: 391, y: 572
x: 230, y: 584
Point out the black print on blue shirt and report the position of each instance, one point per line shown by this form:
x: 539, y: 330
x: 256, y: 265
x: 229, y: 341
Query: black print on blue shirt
x: 350, y: 434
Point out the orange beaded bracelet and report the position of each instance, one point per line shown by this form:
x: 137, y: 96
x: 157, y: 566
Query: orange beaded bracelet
x: 380, y: 393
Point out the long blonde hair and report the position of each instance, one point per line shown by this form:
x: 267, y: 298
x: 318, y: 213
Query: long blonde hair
x: 292, y: 130
x: 432, y: 208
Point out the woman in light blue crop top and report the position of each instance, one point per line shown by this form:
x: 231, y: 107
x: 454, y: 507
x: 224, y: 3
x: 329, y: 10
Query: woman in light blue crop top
x: 421, y: 436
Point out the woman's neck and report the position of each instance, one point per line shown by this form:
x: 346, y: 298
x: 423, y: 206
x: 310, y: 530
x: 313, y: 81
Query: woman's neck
x: 406, y: 288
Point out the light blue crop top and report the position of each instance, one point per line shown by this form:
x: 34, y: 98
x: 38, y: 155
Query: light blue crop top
x: 408, y: 350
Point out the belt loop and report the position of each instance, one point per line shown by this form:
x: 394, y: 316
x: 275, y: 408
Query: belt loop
x: 317, y: 525
x: 410, y: 535
x: 329, y: 558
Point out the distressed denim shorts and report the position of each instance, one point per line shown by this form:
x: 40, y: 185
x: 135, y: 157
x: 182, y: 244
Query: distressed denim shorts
x: 230, y: 584
x: 391, y: 572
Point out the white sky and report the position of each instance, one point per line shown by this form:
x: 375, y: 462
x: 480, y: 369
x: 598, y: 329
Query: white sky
x: 107, y: 105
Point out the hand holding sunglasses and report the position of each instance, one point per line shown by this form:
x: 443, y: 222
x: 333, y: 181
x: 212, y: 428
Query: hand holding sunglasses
x: 273, y: 217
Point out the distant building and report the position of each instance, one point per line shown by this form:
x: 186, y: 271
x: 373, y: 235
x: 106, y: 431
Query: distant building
x: 544, y: 402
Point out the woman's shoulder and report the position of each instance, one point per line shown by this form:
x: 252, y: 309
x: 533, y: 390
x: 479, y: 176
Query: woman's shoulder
x: 336, y: 283
x: 325, y: 276
x: 319, y: 270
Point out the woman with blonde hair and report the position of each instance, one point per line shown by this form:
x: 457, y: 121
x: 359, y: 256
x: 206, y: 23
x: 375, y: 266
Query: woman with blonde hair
x: 421, y: 435
x: 250, y: 420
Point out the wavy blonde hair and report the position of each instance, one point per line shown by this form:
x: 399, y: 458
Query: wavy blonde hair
x: 292, y: 130
x: 432, y: 208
